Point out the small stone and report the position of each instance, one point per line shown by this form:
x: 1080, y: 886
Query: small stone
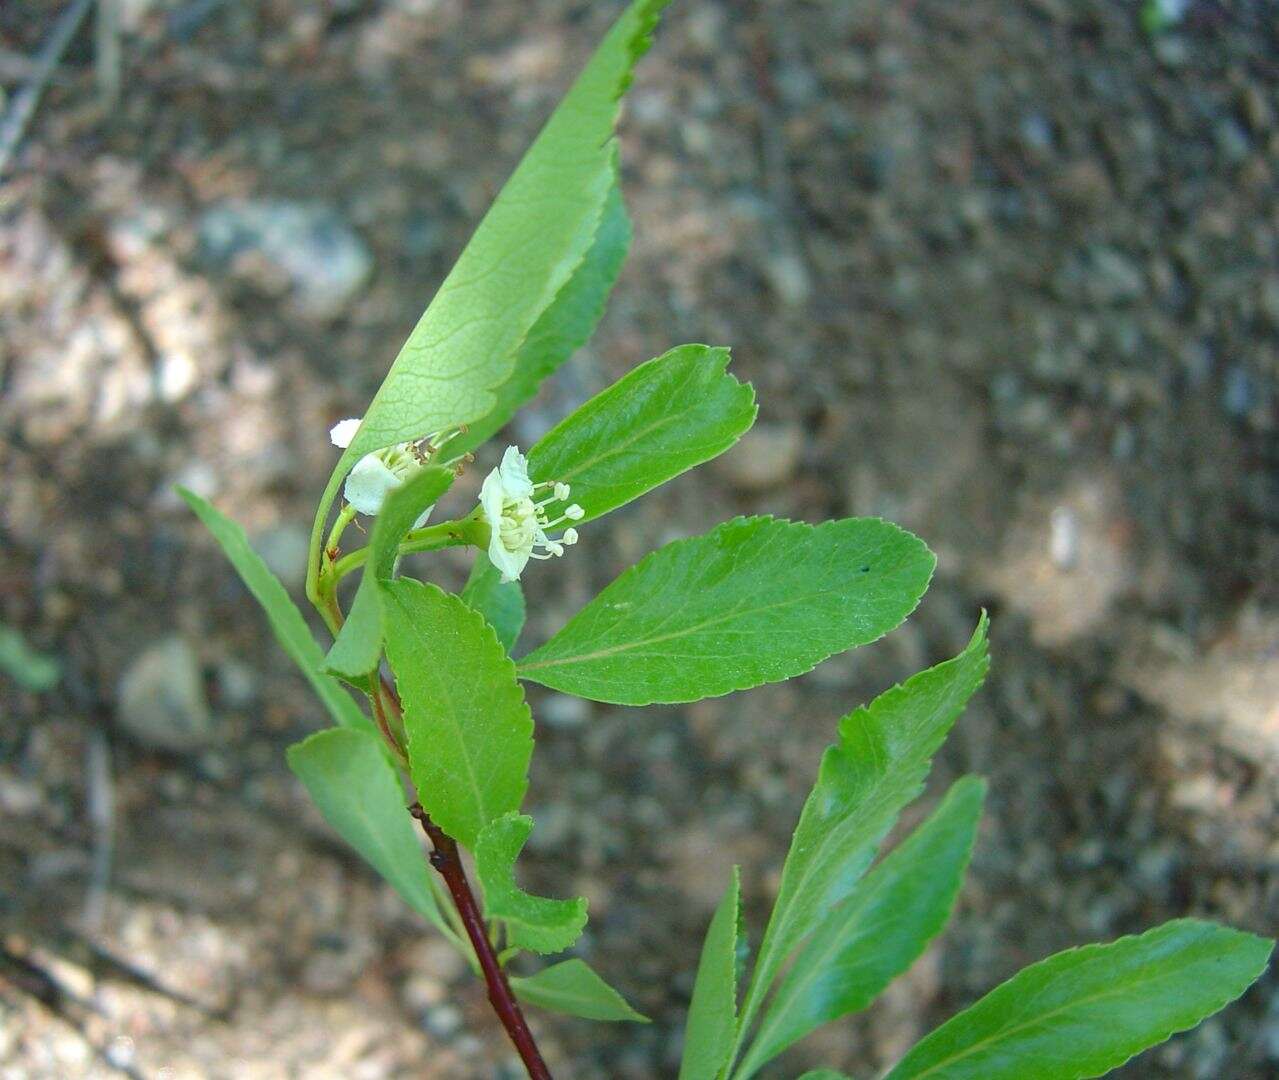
x: 284, y: 549
x: 1239, y: 396
x: 1232, y: 140
x: 1037, y: 134
x: 306, y: 248
x: 564, y: 711
x: 337, y: 960
x: 420, y: 993
x: 797, y: 85
x: 1172, y: 50
x: 788, y: 277
x: 237, y: 684
x: 443, y: 1020
x: 767, y: 455
x: 554, y: 824
x: 1084, y: 184
x: 161, y: 700
x: 1113, y: 277
x: 1256, y: 109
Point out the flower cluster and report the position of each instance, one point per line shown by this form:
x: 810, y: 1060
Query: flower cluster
x: 378, y: 474
x: 518, y: 523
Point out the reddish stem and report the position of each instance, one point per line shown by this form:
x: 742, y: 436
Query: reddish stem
x: 446, y: 859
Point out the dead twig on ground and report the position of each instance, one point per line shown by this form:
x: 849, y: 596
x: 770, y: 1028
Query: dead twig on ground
x: 14, y: 125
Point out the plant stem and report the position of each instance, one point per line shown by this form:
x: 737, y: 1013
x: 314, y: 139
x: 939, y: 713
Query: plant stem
x: 380, y: 699
x: 447, y: 860
x: 468, y: 530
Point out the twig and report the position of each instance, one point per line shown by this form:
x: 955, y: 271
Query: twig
x: 446, y: 859
x: 107, y: 51
x: 14, y: 125
x: 102, y: 823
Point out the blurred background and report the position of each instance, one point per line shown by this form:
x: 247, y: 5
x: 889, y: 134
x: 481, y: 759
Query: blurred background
x: 1005, y: 273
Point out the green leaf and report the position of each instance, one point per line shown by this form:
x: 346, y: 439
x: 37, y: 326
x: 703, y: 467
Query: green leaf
x: 712, y: 1014
x: 470, y: 733
x: 823, y: 1074
x: 1086, y: 1011
x: 572, y: 988
x: 878, y: 766
x: 660, y: 420
x: 360, y: 795
x: 500, y: 602
x: 533, y: 922
x: 286, y: 621
x: 563, y: 328
x: 358, y: 647
x: 31, y: 670
x: 530, y: 243
x: 756, y: 600
x: 878, y: 932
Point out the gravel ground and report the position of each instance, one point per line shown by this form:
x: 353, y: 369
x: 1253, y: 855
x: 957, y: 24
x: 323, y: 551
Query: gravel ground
x: 1006, y: 274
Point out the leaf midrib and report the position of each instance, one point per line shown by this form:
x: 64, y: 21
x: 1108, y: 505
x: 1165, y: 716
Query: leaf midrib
x: 457, y: 727
x: 612, y: 650
x: 1005, y: 1033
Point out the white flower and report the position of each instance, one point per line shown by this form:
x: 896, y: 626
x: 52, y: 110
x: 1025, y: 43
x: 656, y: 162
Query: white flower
x: 519, y: 524
x: 378, y: 474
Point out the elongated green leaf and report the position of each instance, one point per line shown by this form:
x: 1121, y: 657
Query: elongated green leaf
x: 358, y: 792
x: 878, y: 932
x: 500, y: 602
x: 878, y: 766
x: 573, y: 988
x: 286, y: 621
x: 530, y: 243
x: 359, y: 643
x: 532, y: 922
x: 563, y: 328
x: 470, y: 734
x: 756, y: 600
x: 663, y: 418
x: 1086, y: 1011
x: 712, y: 1014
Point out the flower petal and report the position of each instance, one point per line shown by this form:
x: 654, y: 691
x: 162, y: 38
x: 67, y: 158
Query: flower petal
x: 491, y: 499
x: 369, y: 484
x: 510, y: 563
x: 514, y: 473
x: 344, y: 431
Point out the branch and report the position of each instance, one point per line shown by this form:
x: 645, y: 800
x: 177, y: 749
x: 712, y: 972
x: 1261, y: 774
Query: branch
x: 446, y: 859
x: 14, y: 125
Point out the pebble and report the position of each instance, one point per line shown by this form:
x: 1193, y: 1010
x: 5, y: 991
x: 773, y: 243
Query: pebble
x: 421, y: 993
x: 562, y: 710
x: 788, y: 277
x: 443, y: 1020
x: 767, y: 455
x: 284, y: 550
x: 554, y: 824
x: 1256, y: 109
x: 1113, y: 277
x: 237, y: 684
x: 161, y: 700
x: 308, y: 247
x: 1239, y: 395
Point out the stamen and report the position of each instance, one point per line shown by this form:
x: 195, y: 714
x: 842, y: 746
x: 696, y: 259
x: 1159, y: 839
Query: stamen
x: 575, y: 513
x: 561, y: 491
